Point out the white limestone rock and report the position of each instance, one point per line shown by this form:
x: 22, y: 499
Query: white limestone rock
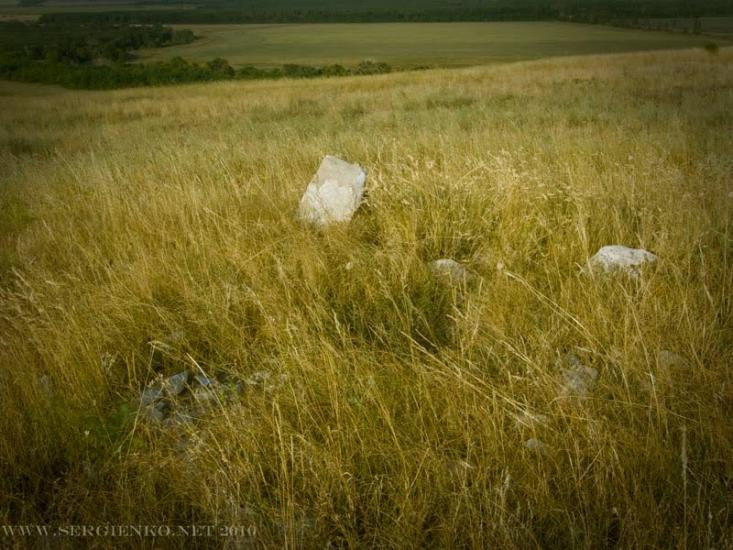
x: 621, y: 259
x: 535, y: 445
x: 334, y: 194
x: 530, y: 420
x: 672, y: 361
x: 577, y: 379
x: 451, y: 269
x: 266, y: 380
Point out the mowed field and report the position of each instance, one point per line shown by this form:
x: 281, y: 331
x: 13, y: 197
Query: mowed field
x: 150, y: 231
x: 413, y: 44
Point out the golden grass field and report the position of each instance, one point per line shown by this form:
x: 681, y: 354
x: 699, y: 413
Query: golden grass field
x: 405, y: 405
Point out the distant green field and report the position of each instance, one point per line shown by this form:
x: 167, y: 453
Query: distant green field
x: 412, y: 44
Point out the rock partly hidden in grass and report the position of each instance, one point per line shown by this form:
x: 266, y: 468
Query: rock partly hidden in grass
x: 621, y: 259
x: 531, y: 420
x: 334, y: 194
x: 450, y: 269
x: 577, y: 379
x: 535, y: 445
x: 175, y: 384
x: 670, y: 360
x: 183, y: 397
x: 153, y: 398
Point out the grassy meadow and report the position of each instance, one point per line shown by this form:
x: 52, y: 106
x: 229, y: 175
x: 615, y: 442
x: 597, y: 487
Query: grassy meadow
x: 148, y: 231
x: 412, y: 44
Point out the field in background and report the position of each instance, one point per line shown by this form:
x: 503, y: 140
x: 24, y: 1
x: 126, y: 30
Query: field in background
x: 147, y: 231
x: 412, y: 44
x: 711, y: 26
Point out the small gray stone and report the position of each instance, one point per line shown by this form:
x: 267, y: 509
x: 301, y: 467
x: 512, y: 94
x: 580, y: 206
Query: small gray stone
x: 150, y: 396
x: 334, y: 194
x: 155, y: 412
x: 531, y: 420
x: 174, y: 385
x: 265, y: 380
x: 670, y: 360
x: 621, y: 259
x: 578, y: 380
x: 205, y: 395
x: 451, y: 269
x: 45, y: 384
x: 535, y: 445
x: 204, y: 380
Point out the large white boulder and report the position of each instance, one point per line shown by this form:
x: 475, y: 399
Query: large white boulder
x: 617, y: 258
x: 334, y: 194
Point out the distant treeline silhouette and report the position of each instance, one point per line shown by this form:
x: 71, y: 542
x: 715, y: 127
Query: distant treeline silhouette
x: 327, y: 11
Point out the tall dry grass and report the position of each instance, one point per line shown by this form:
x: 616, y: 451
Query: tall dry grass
x: 168, y: 215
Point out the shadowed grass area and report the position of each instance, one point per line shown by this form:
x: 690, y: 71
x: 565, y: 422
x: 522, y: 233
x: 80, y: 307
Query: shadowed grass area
x: 168, y: 215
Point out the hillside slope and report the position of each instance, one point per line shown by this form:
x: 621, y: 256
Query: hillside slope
x: 149, y: 231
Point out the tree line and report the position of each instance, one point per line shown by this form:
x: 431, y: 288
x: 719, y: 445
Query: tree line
x: 97, y: 57
x: 163, y: 73
x: 79, y: 43
x: 333, y: 11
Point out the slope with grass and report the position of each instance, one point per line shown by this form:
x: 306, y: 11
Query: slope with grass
x: 132, y: 216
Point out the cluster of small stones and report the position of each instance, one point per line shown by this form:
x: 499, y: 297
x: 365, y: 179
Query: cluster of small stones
x: 333, y: 196
x: 186, y: 395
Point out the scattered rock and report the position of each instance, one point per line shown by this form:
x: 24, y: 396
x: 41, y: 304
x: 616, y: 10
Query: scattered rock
x: 156, y: 412
x: 535, y: 445
x: 531, y: 420
x: 451, y: 269
x: 205, y: 395
x: 175, y: 384
x: 617, y: 258
x: 577, y: 378
x: 150, y: 396
x: 174, y: 338
x: 45, y: 384
x: 265, y: 380
x: 203, y: 380
x: 182, y: 398
x: 334, y: 194
x: 154, y: 400
x: 670, y: 360
x: 674, y: 371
